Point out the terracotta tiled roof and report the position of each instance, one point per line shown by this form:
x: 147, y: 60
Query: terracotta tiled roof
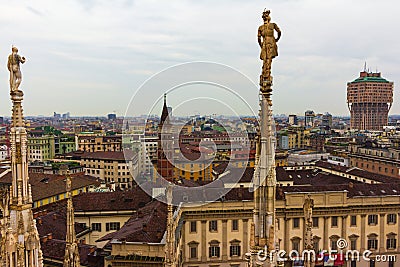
x: 358, y: 172
x: 373, y: 176
x: 354, y: 190
x: 48, y: 185
x: 52, y: 228
x: 111, y: 201
x: 55, y: 223
x: 148, y: 225
x: 55, y: 249
x: 111, y: 155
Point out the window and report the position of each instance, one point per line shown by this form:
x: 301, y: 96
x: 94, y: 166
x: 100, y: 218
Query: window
x: 193, y: 252
x: 112, y: 226
x: 334, y: 221
x: 193, y: 226
x: 316, y: 240
x: 391, y: 218
x: 213, y: 226
x: 372, y: 219
x: 296, y: 243
x: 193, y: 249
x: 214, y: 249
x: 234, y: 250
x: 391, y: 241
x: 96, y: 227
x: 315, y: 222
x: 372, y: 241
x: 371, y: 263
x: 235, y: 225
x: 296, y: 222
x: 334, y: 240
x: 353, y: 220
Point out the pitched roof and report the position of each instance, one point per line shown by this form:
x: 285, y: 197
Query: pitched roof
x: 55, y: 249
x: 147, y: 225
x: 47, y: 185
x: 111, y: 201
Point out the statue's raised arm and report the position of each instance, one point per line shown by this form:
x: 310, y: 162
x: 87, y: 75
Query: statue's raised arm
x: 13, y: 66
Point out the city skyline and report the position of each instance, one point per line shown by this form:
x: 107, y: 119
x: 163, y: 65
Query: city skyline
x: 90, y: 58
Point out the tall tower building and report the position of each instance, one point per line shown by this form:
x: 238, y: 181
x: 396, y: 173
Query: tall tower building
x: 165, y: 148
x: 369, y: 98
x: 293, y: 119
x: 309, y: 116
x: 21, y: 244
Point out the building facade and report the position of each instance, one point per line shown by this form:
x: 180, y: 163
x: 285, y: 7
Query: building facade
x: 118, y: 167
x: 94, y: 143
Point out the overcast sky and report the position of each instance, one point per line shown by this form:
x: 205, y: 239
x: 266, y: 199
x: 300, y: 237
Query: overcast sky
x: 89, y: 57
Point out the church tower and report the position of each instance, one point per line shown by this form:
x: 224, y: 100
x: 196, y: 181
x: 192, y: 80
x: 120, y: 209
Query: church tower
x: 165, y: 152
x: 21, y: 243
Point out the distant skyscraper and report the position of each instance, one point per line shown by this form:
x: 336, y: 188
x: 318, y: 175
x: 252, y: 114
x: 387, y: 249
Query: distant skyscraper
x: 293, y: 119
x: 111, y: 116
x: 309, y: 116
x: 369, y: 98
x: 326, y: 120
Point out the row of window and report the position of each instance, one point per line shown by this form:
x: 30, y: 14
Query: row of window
x: 214, y: 250
x: 372, y: 242
x: 373, y: 167
x: 372, y: 220
x: 110, y: 226
x: 213, y: 226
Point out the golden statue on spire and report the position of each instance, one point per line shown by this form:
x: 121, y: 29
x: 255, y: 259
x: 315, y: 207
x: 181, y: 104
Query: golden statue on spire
x: 269, y: 48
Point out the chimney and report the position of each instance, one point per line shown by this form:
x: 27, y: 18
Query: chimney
x: 351, y: 185
x: 55, y: 216
x: 50, y: 236
x: 92, y: 249
x: 39, y: 221
x: 44, y: 239
x: 159, y: 234
x: 144, y: 228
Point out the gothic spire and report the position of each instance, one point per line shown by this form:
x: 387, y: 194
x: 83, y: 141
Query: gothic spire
x: 22, y: 244
x: 71, y: 258
x: 169, y: 246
